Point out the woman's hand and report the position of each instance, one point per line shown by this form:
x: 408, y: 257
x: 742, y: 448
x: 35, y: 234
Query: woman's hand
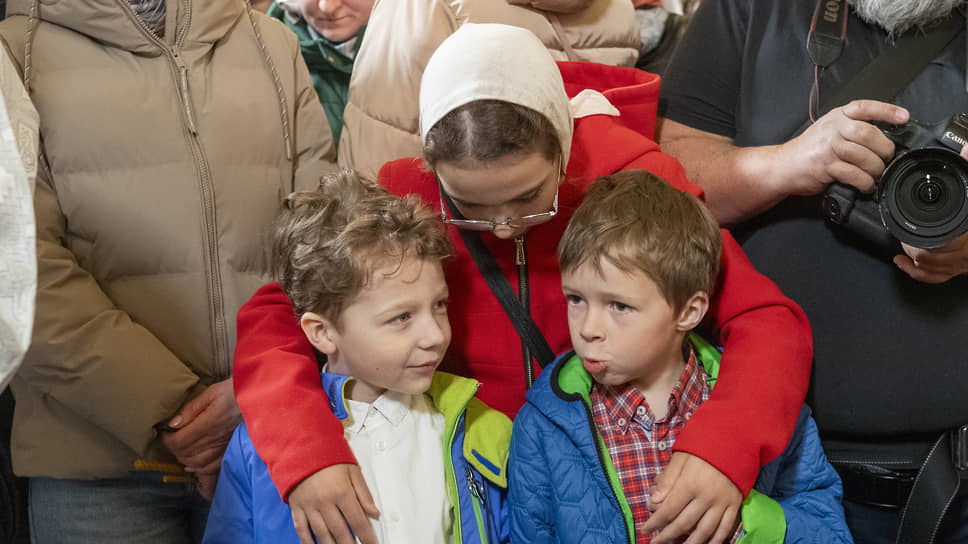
x: 333, y: 504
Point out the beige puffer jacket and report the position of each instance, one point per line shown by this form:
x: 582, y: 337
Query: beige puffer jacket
x: 166, y: 160
x: 380, y: 122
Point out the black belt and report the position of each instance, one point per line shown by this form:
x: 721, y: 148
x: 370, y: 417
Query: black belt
x: 924, y: 494
x: 876, y: 486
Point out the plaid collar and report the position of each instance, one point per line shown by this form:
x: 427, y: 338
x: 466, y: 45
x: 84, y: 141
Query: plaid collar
x: 622, y: 402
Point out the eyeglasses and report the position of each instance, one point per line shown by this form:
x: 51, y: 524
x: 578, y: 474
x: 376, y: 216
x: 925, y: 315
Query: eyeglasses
x: 487, y: 224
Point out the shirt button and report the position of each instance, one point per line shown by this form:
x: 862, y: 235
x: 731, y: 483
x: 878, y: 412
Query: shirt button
x: 380, y: 445
x: 640, y: 410
x: 662, y: 446
x: 395, y: 517
x: 688, y: 415
x: 622, y: 422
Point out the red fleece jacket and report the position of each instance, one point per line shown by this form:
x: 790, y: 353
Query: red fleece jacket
x: 766, y: 338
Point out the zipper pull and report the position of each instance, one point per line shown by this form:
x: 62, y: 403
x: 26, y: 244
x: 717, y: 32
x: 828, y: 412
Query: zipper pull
x: 187, y: 97
x: 474, y: 485
x: 520, y: 257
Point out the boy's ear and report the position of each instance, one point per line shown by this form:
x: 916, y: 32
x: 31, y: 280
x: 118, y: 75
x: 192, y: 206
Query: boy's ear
x: 692, y: 312
x: 319, y: 331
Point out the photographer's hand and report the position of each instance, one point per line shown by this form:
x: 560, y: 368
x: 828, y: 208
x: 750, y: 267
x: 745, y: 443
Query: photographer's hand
x: 743, y: 182
x: 841, y: 146
x: 935, y: 265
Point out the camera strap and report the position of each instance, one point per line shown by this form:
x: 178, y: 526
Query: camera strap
x: 888, y: 74
x: 939, y: 479
x: 532, y: 340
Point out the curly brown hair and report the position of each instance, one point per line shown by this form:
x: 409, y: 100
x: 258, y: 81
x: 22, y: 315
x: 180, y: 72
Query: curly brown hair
x: 638, y: 221
x: 327, y: 242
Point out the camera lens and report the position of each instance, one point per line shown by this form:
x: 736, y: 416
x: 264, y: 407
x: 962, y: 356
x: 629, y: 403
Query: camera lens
x: 929, y: 192
x: 923, y: 197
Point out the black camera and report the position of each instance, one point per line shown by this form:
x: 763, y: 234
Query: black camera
x: 920, y: 199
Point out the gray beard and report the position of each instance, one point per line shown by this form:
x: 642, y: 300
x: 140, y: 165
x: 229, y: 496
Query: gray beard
x: 897, y: 16
x: 152, y: 12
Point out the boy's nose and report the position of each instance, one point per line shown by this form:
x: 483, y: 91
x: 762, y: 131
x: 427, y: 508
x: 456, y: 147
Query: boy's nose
x: 435, y: 333
x: 591, y: 328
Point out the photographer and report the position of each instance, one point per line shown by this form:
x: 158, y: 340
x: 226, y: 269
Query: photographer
x: 890, y: 366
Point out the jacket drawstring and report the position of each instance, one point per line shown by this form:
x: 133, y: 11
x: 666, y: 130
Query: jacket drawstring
x: 562, y: 38
x: 283, y: 104
x: 32, y: 22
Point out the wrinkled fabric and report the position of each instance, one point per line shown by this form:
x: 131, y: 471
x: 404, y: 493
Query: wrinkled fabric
x: 164, y: 162
x: 472, y: 56
x: 381, y: 120
x: 560, y: 491
x: 18, y: 259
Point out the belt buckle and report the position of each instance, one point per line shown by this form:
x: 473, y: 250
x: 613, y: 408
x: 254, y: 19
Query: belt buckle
x: 959, y: 447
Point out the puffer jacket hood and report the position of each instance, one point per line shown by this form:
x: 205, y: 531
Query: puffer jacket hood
x: 202, y: 23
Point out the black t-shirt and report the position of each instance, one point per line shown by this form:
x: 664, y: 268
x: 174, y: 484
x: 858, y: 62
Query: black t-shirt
x: 890, y: 356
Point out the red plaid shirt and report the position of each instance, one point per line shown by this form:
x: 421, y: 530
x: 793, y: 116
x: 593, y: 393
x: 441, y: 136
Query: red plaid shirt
x: 640, y: 446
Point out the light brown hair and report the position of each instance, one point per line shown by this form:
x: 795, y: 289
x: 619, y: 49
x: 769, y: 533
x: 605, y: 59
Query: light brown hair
x: 327, y: 242
x: 638, y: 221
x: 486, y: 130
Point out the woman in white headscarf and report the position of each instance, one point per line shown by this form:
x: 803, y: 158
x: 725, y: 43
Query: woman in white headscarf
x: 503, y: 141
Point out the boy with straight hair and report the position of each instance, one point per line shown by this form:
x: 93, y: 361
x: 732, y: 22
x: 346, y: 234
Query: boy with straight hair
x: 363, y: 270
x: 639, y: 261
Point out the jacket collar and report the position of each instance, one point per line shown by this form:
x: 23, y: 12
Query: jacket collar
x: 449, y: 393
x: 316, y: 50
x: 114, y: 23
x: 569, y: 381
x: 486, y: 432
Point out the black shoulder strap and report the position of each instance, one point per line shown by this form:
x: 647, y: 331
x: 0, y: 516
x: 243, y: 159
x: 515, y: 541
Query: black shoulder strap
x: 888, y: 74
x: 525, y: 326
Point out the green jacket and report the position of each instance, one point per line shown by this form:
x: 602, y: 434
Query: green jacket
x: 329, y: 69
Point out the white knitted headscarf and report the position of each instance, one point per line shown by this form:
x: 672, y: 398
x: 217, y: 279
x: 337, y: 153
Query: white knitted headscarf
x: 494, y: 62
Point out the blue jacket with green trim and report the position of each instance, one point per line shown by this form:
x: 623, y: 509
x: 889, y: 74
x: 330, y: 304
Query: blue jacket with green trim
x: 247, y: 507
x: 564, y: 488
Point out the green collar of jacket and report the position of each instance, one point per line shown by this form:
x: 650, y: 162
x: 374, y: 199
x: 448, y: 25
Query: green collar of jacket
x: 763, y: 518
x: 487, y: 432
x: 573, y: 379
x: 317, y: 51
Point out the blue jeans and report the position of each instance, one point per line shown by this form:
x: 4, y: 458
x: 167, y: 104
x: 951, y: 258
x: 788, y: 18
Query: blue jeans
x: 137, y: 509
x: 878, y: 525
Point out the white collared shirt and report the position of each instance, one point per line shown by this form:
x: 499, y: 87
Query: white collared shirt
x: 398, y: 442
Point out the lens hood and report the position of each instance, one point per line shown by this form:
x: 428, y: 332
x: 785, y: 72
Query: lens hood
x: 923, y: 197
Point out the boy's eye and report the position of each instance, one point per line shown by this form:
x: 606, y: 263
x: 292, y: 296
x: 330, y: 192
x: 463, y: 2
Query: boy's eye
x: 620, y: 306
x: 401, y: 318
x: 573, y: 299
x: 441, y: 304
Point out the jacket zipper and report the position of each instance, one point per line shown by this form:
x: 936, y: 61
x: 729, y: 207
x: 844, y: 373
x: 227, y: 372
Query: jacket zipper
x: 601, y: 450
x: 449, y: 468
x: 478, y: 495
x: 219, y: 341
x: 521, y: 260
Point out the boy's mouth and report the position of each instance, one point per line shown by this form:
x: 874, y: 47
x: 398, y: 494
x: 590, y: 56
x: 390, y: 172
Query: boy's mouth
x: 593, y: 365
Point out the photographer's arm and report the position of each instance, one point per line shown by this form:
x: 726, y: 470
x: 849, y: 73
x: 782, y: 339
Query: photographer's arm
x: 742, y: 182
